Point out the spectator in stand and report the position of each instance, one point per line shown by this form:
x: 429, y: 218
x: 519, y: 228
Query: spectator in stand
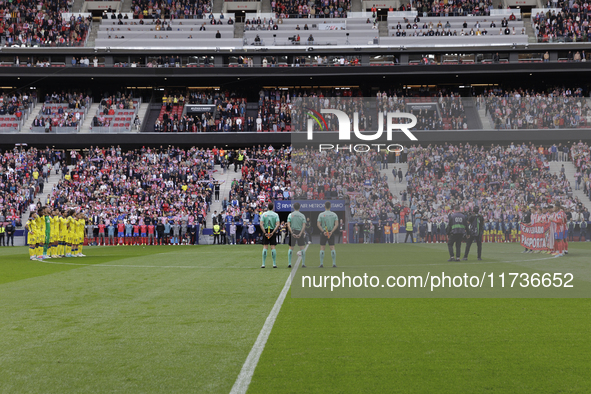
x: 30, y: 24
x: 21, y: 174
x: 183, y: 9
x: 528, y: 109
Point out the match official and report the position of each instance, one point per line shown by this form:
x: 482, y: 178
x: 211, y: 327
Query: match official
x: 476, y: 229
x: 269, y: 225
x: 327, y: 223
x: 456, y: 230
x: 296, y: 224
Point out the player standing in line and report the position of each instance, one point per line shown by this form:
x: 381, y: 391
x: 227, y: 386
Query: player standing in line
x: 296, y: 224
x: 559, y: 218
x: 63, y: 229
x: 80, y: 235
x: 136, y: 234
x: 151, y: 234
x: 486, y: 231
x: 535, y: 218
x: 269, y: 225
x: 128, y: 233
x: 69, y: 224
x: 46, y: 243
x: 563, y: 219
x: 39, y: 234
x: 327, y: 221
x: 514, y: 229
x: 31, y: 227
x: 89, y: 232
x: 120, y: 232
x: 54, y: 234
x: 143, y: 232
x: 74, y: 233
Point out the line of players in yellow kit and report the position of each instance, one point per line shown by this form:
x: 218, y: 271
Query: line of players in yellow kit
x: 55, y: 234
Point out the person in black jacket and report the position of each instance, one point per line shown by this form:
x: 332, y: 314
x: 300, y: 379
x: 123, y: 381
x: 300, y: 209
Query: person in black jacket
x: 527, y: 220
x: 476, y: 223
x: 9, y: 234
x: 160, y: 231
x: 456, y: 230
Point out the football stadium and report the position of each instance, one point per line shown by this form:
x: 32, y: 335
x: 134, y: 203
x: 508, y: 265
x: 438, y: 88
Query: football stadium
x: 289, y: 196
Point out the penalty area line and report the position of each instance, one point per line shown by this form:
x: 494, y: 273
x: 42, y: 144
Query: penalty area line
x: 245, y: 376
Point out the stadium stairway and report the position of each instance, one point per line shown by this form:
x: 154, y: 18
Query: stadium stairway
x: 52, y: 180
x: 85, y: 128
x: 266, y: 7
x: 29, y: 122
x: 357, y: 6
x: 239, y: 30
x: 126, y: 6
x: 569, y: 171
x: 141, y: 112
x: 529, y: 30
x: 92, y: 34
x: 486, y: 121
x: 218, y: 6
x: 77, y: 6
x: 497, y: 3
x: 472, y: 115
x: 396, y: 187
x: 225, y: 186
x: 383, y: 29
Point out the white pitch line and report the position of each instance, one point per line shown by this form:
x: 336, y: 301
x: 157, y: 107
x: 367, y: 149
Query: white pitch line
x: 141, y: 266
x: 245, y: 376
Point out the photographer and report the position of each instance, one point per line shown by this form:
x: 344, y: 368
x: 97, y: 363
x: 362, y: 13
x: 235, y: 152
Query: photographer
x: 475, y: 231
x: 456, y: 230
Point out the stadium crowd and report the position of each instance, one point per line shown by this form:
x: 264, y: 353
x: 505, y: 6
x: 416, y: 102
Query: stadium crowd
x: 30, y: 23
x: 14, y: 102
x: 23, y: 174
x: 227, y: 115
x: 452, y: 8
x: 185, y: 9
x: 311, y: 9
x: 581, y: 158
x: 143, y: 186
x: 570, y: 24
x: 504, y: 181
x: 75, y: 100
x: 281, y: 110
x: 523, y: 109
x: 176, y: 187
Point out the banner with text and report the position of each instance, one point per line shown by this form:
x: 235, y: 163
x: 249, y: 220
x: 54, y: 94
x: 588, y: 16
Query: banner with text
x: 309, y: 205
x: 538, y: 236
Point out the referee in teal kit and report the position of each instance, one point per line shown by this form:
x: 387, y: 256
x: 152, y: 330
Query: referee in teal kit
x: 327, y: 223
x: 296, y: 224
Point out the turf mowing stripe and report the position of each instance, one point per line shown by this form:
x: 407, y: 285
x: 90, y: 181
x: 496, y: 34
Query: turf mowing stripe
x: 245, y: 376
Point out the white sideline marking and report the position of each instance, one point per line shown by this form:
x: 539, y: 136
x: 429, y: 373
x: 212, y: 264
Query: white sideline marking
x: 245, y: 376
x: 142, y: 266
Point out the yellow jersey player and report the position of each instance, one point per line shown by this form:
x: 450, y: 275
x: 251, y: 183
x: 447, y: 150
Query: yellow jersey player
x: 31, y: 227
x: 47, y: 233
x: 63, y: 234
x: 80, y: 234
x: 54, y: 234
x: 40, y: 234
x: 75, y: 233
x: 69, y: 233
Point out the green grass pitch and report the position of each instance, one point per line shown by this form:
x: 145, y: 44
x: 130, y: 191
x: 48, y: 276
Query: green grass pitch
x: 183, y: 320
